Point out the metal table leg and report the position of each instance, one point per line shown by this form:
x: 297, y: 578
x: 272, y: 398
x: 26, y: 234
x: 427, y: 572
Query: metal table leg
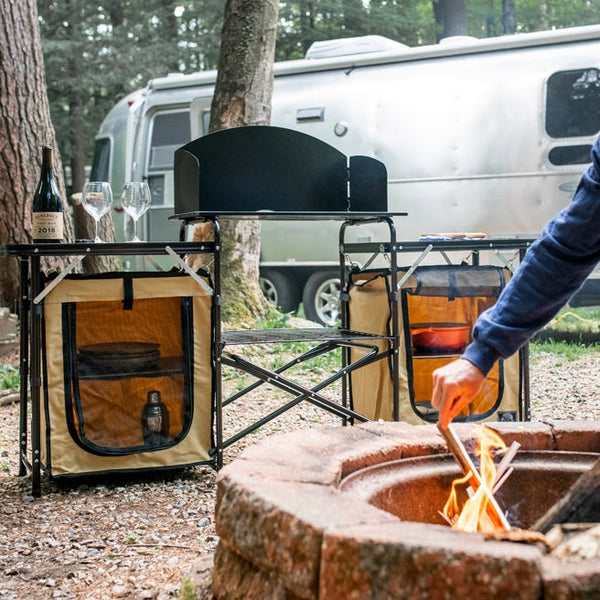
x: 36, y: 377
x: 24, y: 306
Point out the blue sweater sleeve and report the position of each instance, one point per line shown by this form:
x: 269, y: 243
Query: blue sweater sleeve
x: 553, y: 269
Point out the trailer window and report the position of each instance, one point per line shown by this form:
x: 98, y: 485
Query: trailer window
x: 169, y: 132
x: 572, y: 103
x: 101, y: 160
x: 570, y: 155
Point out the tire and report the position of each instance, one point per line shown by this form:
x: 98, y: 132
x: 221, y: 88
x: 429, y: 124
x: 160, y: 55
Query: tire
x: 281, y: 291
x: 321, y: 298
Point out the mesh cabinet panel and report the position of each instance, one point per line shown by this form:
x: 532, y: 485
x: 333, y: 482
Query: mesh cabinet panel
x: 438, y: 295
x: 109, y: 342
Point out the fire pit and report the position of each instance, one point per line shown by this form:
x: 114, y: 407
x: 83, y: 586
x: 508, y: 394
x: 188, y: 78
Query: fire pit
x: 415, y: 489
x: 343, y: 513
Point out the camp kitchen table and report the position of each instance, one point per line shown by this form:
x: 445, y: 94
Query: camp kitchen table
x: 31, y: 307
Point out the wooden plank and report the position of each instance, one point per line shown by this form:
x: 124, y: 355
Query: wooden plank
x: 580, y: 504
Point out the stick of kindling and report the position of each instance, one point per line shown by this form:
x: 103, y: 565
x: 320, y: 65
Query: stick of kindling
x: 506, y: 460
x: 500, y: 481
x: 503, y: 471
x: 461, y: 456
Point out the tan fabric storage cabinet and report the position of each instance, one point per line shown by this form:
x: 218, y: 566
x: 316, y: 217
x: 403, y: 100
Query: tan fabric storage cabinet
x: 431, y: 295
x: 111, y: 344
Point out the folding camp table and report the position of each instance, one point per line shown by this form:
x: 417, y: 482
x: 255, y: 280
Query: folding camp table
x: 259, y: 173
x: 270, y: 173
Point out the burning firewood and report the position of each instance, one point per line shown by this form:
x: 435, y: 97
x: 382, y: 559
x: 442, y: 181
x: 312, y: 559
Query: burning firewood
x: 492, y: 516
x: 504, y: 470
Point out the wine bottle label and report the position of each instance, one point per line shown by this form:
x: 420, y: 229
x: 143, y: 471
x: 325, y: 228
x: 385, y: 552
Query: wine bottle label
x: 47, y: 225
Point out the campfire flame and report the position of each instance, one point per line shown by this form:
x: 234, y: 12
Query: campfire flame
x: 474, y: 516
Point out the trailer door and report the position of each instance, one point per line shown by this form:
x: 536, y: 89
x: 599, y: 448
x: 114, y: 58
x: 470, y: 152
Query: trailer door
x: 169, y: 129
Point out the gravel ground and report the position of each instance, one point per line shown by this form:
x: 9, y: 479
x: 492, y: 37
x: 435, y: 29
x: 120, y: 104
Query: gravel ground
x: 140, y: 537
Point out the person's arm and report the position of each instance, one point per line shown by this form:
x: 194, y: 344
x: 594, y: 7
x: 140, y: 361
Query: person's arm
x: 553, y: 269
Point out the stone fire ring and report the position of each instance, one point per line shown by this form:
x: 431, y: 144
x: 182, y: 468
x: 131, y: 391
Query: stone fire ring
x: 287, y: 532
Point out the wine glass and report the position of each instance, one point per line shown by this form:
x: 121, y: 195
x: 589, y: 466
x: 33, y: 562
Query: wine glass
x: 135, y: 199
x: 97, y: 198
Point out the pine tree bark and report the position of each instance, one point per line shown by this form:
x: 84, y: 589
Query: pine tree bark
x: 243, y: 97
x: 508, y: 16
x: 76, y: 134
x: 25, y: 126
x: 85, y: 229
x: 450, y: 17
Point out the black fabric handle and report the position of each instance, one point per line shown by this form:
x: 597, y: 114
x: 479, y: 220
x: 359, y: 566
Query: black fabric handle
x: 127, y: 293
x: 453, y: 290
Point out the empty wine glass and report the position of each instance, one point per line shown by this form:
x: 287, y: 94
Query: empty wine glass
x: 96, y: 199
x: 135, y: 199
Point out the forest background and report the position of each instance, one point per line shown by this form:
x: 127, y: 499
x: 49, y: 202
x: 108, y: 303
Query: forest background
x: 96, y: 52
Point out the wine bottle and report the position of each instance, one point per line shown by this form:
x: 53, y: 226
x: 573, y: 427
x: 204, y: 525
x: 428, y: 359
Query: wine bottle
x: 47, y: 209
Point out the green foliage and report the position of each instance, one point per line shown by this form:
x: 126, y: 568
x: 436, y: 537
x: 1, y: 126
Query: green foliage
x: 573, y: 333
x: 302, y: 23
x: 98, y: 52
x: 186, y: 590
x: 562, y: 350
x: 573, y: 326
x: 584, y: 319
x: 9, y: 377
x: 273, y: 320
x: 533, y: 15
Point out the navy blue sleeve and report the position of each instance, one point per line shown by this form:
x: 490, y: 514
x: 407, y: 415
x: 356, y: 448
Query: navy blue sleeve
x: 553, y: 269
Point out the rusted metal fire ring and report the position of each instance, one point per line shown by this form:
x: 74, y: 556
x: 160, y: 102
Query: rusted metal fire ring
x: 287, y: 530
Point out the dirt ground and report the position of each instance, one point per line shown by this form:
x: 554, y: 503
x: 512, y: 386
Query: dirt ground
x: 135, y: 537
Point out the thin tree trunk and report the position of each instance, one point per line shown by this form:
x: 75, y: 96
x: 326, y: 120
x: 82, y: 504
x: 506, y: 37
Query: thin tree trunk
x: 451, y: 17
x: 243, y: 97
x: 25, y: 126
x: 76, y: 135
x: 508, y: 16
x: 456, y: 18
x: 543, y: 23
x: 85, y: 229
x: 77, y: 164
x: 171, y: 32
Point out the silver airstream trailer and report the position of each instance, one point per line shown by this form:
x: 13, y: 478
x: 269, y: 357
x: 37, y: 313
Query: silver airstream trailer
x: 477, y: 136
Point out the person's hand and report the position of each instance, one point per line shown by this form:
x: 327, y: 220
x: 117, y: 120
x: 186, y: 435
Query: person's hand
x: 454, y: 387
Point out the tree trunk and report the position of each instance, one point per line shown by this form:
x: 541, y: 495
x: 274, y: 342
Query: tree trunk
x: 543, y: 23
x: 170, y: 32
x: 243, y: 97
x: 85, y: 229
x: 76, y: 135
x: 451, y: 17
x: 25, y: 126
x: 77, y: 165
x: 508, y: 16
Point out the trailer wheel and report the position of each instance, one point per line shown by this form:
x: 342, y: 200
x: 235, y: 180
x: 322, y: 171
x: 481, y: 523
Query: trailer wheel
x: 321, y: 298
x: 281, y: 291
